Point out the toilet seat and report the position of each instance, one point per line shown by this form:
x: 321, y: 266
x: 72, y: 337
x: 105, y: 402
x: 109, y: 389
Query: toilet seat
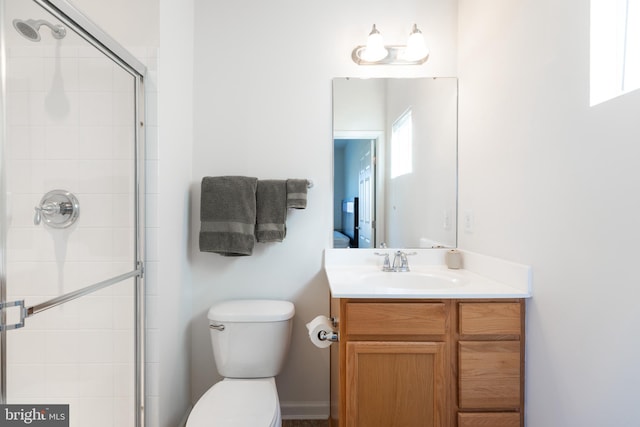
x: 238, y: 403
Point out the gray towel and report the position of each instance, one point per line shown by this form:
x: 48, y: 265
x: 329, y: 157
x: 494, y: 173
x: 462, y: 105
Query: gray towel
x: 297, y: 193
x: 228, y: 215
x: 271, y: 211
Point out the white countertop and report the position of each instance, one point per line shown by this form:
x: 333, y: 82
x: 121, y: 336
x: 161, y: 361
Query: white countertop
x: 357, y: 273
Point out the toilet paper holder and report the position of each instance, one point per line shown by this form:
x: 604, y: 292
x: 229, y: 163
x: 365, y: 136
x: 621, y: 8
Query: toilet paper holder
x: 332, y: 336
x: 323, y: 331
x: 328, y: 336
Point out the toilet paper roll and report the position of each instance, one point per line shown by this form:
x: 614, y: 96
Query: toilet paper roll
x: 317, y: 325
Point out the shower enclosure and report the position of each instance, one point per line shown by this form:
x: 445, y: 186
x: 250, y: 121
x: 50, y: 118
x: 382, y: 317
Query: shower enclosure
x: 71, y: 234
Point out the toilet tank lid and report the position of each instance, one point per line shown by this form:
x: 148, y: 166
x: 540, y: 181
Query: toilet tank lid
x: 253, y: 310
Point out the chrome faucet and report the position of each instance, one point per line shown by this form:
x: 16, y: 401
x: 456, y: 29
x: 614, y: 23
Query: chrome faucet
x: 400, y: 261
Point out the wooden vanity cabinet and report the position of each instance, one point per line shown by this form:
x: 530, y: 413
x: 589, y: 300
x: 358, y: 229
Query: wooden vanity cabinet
x: 427, y: 363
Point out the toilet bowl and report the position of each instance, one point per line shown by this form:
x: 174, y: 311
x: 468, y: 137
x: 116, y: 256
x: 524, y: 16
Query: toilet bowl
x: 238, y: 403
x: 250, y: 340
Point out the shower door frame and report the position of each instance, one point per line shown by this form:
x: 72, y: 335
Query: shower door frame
x: 94, y: 35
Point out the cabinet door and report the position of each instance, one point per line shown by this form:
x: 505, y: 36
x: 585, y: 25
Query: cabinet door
x: 396, y: 384
x: 489, y: 375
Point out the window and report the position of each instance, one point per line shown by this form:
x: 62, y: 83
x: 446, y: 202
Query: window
x: 401, y: 145
x: 615, y: 48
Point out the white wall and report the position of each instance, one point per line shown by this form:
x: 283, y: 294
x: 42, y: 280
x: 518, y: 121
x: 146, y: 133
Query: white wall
x: 554, y: 183
x: 132, y: 23
x: 262, y: 82
x: 175, y: 119
x: 358, y: 105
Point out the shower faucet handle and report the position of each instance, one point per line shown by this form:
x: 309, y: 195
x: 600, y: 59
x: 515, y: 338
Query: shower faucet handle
x: 58, y: 209
x: 50, y: 208
x: 37, y: 218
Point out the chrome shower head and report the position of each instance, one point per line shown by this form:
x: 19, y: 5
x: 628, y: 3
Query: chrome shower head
x: 30, y: 29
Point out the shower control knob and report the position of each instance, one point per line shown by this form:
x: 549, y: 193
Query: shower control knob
x: 38, y: 217
x: 57, y: 209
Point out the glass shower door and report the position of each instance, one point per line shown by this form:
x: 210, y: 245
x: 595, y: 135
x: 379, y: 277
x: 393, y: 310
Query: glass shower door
x: 71, y: 266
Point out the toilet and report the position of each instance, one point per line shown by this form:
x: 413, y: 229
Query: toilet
x: 250, y: 340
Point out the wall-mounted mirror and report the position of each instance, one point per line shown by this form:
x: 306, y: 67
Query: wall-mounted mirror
x: 395, y: 162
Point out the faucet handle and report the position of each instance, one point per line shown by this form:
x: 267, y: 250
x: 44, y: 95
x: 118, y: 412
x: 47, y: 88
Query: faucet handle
x: 386, y: 265
x: 404, y: 262
x: 404, y: 259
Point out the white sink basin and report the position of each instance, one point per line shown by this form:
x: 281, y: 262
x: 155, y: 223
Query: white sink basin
x: 413, y: 280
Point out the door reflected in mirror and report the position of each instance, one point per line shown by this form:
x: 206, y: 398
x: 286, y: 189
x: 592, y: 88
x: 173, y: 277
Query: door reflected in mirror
x: 395, y: 162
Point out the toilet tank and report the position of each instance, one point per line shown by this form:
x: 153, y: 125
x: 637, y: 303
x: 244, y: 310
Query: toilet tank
x: 250, y: 338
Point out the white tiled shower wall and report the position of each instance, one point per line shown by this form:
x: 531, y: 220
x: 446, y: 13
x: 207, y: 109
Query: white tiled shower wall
x: 69, y: 126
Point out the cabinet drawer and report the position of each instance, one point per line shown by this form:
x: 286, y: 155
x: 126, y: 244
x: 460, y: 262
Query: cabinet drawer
x: 490, y: 318
x: 489, y: 375
x: 377, y: 319
x: 489, y: 420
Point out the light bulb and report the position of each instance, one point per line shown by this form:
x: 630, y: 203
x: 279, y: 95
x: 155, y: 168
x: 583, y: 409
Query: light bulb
x: 416, y: 47
x: 375, y: 50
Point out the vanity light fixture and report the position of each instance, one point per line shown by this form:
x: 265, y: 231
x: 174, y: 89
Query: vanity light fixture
x: 415, y: 52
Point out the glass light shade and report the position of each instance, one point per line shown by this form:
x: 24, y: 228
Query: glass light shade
x: 416, y: 47
x: 375, y: 50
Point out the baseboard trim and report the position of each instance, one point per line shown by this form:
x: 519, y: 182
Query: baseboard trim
x: 315, y: 410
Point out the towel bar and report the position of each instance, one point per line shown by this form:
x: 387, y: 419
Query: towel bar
x: 309, y: 183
